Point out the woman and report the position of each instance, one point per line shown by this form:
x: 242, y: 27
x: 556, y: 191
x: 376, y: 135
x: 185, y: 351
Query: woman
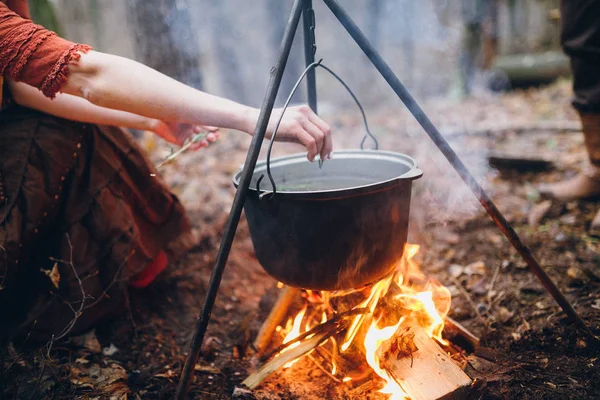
x: 82, y: 213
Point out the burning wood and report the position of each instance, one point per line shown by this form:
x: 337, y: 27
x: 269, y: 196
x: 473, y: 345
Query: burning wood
x: 278, y: 312
x: 421, y: 368
x: 300, y: 345
x: 392, y: 325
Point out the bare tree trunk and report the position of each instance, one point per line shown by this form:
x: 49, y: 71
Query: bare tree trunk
x: 165, y: 39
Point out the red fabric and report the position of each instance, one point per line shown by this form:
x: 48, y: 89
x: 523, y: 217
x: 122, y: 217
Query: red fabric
x: 32, y: 54
x: 144, y: 278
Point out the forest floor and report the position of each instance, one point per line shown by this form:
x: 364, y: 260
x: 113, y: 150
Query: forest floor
x: 537, y: 353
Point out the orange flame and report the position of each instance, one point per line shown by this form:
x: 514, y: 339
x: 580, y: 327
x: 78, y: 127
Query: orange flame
x: 373, y: 340
x: 294, y: 332
x: 420, y: 300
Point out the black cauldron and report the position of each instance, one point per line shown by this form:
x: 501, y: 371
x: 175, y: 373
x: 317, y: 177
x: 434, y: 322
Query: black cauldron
x: 337, y: 227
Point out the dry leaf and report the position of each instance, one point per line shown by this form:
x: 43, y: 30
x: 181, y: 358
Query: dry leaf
x: 88, y: 341
x: 110, y: 350
x: 53, y: 274
x: 109, y: 381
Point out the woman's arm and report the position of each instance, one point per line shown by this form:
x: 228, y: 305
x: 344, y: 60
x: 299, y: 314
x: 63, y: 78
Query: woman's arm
x: 119, y: 83
x: 76, y: 108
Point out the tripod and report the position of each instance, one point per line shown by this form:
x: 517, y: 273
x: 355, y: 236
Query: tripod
x: 303, y: 8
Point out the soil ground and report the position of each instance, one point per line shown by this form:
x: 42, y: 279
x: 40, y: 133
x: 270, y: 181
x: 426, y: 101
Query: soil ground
x: 537, y: 353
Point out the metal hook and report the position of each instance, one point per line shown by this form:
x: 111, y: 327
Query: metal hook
x: 287, y: 103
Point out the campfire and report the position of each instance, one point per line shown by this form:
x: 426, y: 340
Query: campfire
x: 391, y: 330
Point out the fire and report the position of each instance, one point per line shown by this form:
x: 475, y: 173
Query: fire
x: 374, y: 338
x: 409, y: 296
x: 294, y: 332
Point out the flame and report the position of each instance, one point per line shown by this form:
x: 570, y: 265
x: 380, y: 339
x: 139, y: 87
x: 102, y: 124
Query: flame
x: 413, y: 298
x: 373, y: 340
x: 377, y: 292
x: 294, y: 332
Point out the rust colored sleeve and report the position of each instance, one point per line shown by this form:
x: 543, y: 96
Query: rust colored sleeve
x: 32, y: 54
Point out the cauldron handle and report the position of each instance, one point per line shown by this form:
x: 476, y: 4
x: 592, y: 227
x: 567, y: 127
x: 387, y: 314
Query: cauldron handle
x: 368, y: 133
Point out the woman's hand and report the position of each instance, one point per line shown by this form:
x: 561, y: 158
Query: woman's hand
x: 178, y: 134
x: 299, y: 125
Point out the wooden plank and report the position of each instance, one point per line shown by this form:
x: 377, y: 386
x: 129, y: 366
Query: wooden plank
x: 426, y: 373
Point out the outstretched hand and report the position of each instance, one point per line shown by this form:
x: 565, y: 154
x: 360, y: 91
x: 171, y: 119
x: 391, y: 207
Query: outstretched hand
x: 300, y: 125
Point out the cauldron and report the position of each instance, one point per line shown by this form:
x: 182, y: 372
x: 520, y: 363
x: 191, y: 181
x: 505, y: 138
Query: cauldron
x: 337, y: 227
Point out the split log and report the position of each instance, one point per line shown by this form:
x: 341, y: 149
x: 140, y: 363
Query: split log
x: 423, y: 369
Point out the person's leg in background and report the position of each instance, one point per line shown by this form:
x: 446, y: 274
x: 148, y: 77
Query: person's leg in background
x: 580, y: 38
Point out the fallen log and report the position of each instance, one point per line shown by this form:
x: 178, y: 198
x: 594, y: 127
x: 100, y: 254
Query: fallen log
x: 533, y: 67
x: 518, y: 162
x: 420, y: 366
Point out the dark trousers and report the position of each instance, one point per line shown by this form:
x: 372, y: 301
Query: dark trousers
x: 580, y: 39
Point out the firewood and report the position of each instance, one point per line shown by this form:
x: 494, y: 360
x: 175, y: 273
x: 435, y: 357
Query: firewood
x: 278, y: 312
x: 255, y: 379
x: 307, y: 342
x: 422, y: 368
x: 461, y: 335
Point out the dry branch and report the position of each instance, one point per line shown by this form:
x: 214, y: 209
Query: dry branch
x: 307, y: 342
x: 278, y: 362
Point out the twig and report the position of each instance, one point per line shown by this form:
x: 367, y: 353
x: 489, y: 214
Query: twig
x: 195, y: 139
x: 315, y: 339
x: 326, y: 327
x: 491, y: 285
x: 318, y: 365
x: 77, y: 313
x: 466, y: 294
x: 114, y: 280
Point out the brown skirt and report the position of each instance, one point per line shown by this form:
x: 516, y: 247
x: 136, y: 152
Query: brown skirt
x: 82, y: 212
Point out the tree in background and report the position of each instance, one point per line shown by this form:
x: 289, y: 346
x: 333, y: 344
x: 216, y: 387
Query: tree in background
x: 165, y: 39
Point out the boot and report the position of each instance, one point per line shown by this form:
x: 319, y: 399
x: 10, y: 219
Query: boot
x: 586, y: 184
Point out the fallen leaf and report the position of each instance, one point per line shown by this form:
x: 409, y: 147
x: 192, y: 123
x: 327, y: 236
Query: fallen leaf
x: 208, y: 369
x: 110, y: 350
x: 476, y: 268
x: 53, y: 274
x: 88, y: 341
x: 456, y: 270
x: 110, y: 381
x: 505, y: 314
